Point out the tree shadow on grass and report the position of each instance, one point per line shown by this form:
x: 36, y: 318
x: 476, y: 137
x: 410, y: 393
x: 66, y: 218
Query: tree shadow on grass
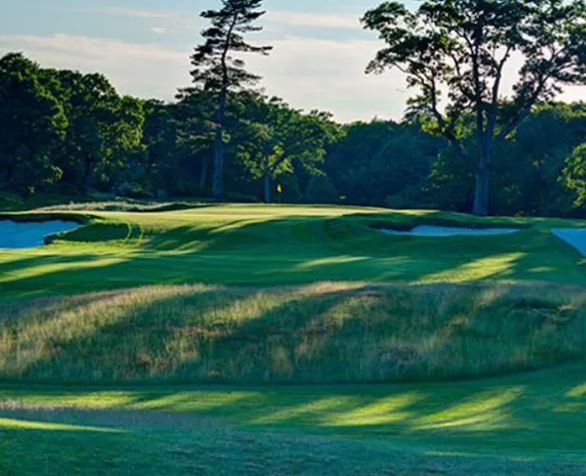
x: 321, y: 333
x: 276, y: 451
x: 169, y: 335
x: 280, y: 251
x: 504, y: 417
x: 108, y: 339
x: 521, y: 413
x: 261, y: 348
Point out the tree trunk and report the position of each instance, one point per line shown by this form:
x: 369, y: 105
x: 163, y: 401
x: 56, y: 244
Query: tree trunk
x: 203, y: 180
x: 88, y: 177
x: 268, y: 187
x: 482, y: 190
x: 218, y: 186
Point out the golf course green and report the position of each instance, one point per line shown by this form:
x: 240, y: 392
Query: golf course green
x: 276, y: 245
x: 290, y: 340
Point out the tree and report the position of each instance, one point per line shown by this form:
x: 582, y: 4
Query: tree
x: 195, y: 132
x: 217, y: 70
x: 530, y: 184
x: 462, y: 49
x: 32, y: 125
x: 159, y: 137
x: 275, y: 137
x: 127, y: 161
x: 574, y: 176
x: 381, y: 160
x: 103, y: 139
x: 91, y: 105
x: 321, y: 190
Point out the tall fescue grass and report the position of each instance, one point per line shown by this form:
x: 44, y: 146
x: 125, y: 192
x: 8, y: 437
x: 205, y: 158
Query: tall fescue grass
x: 313, y: 334
x: 122, y: 205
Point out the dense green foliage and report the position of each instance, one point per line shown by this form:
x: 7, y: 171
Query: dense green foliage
x: 457, y: 55
x: 575, y: 175
x: 529, y: 170
x: 87, y: 139
x: 32, y: 125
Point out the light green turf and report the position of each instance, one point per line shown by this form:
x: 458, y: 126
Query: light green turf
x: 253, y: 244
x: 528, y: 424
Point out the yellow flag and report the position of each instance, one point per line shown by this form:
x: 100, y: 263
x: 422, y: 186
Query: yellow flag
x: 279, y: 188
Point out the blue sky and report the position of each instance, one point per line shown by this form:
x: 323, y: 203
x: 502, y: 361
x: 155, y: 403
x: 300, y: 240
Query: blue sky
x: 143, y: 47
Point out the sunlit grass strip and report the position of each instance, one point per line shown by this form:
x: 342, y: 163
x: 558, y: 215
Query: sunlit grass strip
x: 512, y: 412
x: 12, y: 424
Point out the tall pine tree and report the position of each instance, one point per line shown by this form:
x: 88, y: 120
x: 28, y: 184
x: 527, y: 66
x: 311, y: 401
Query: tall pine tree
x: 218, y: 70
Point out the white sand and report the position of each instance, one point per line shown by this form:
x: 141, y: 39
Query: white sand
x: 28, y: 234
x: 575, y: 237
x: 447, y: 231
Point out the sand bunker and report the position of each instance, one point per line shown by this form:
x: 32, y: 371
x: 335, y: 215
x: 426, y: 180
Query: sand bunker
x: 432, y: 231
x: 30, y: 234
x: 575, y: 237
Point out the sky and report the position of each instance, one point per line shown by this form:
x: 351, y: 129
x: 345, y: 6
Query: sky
x: 143, y: 47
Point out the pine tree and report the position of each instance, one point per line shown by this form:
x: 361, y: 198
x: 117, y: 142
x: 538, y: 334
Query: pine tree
x: 217, y: 70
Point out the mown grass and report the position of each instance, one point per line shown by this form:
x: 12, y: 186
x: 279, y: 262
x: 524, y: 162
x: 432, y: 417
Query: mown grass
x: 257, y: 245
x: 310, y: 334
x: 524, y: 424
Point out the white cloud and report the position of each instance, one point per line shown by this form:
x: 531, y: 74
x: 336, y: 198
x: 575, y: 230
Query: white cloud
x: 319, y: 20
x: 170, y: 18
x: 128, y: 12
x: 330, y: 75
x: 308, y: 73
x: 281, y: 17
x: 147, y: 70
x: 159, y: 30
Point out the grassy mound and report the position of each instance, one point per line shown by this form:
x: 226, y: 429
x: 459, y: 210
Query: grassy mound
x: 312, y: 334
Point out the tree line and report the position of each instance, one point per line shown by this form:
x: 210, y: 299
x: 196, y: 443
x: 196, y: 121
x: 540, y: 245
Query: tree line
x: 464, y: 144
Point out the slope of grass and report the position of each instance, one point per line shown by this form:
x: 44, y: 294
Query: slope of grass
x: 393, y: 309
x: 250, y: 245
x: 530, y: 424
x: 318, y: 333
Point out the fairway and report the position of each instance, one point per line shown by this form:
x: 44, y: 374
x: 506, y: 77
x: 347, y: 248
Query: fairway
x: 274, y: 245
x: 514, y: 425
x: 291, y: 340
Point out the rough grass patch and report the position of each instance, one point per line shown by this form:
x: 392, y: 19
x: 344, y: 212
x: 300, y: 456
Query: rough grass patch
x: 327, y: 332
